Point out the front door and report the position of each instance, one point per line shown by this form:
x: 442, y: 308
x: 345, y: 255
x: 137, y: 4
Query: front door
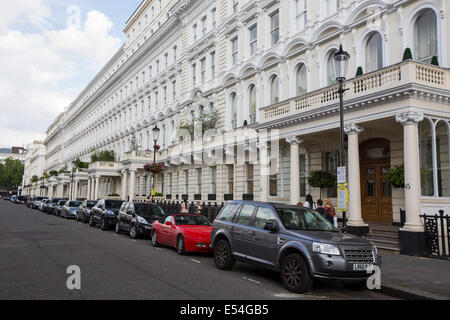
x: 376, y: 192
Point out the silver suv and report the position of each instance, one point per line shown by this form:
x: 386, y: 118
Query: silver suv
x: 297, y: 242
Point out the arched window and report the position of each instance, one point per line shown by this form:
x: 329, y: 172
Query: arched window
x: 274, y: 90
x: 300, y: 85
x: 443, y: 159
x: 425, y: 36
x: 252, y: 104
x: 331, y: 75
x: 426, y: 157
x: 374, y: 52
x: 233, y: 102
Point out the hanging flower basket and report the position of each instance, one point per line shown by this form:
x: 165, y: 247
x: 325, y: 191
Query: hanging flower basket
x: 154, y: 167
x: 157, y: 147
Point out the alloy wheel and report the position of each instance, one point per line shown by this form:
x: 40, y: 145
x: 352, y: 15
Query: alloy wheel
x: 293, y: 273
x: 221, y: 254
x: 133, y: 232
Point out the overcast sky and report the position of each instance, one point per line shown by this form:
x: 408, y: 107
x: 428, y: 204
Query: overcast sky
x: 49, y: 51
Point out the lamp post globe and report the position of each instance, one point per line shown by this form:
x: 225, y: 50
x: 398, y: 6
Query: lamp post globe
x: 341, y: 59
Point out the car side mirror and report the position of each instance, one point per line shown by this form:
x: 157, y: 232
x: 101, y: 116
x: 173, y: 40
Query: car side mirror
x: 168, y: 223
x: 271, y: 226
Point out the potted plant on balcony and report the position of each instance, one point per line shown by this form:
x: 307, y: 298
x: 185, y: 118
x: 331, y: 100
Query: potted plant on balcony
x: 154, y: 167
x: 407, y: 55
x: 435, y: 61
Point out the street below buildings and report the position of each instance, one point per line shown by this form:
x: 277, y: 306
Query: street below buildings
x: 36, y: 249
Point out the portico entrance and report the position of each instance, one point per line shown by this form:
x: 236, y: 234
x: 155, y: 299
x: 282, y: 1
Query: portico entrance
x: 376, y: 191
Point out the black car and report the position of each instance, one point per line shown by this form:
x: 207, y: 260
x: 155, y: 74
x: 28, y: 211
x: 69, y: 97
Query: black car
x: 137, y: 218
x: 84, y: 211
x: 105, y: 213
x: 69, y: 210
x: 57, y: 209
x: 297, y: 242
x: 21, y: 200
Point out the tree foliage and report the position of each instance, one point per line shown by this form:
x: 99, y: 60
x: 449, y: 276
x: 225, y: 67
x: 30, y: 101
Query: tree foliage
x: 321, y: 179
x: 207, y: 121
x: 105, y: 156
x: 80, y: 164
x: 11, y: 173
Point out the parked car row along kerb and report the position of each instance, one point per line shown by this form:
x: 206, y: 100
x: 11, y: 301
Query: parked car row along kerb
x: 297, y: 242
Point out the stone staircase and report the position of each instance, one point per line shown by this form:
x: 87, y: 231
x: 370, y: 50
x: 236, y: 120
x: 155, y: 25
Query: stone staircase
x: 384, y: 235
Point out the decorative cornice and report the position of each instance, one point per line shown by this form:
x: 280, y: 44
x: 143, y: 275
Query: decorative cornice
x: 294, y: 140
x: 409, y: 118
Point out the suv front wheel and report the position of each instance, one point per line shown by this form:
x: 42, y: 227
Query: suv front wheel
x: 222, y: 255
x: 295, y: 274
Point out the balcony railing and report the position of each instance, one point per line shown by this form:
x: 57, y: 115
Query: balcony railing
x: 380, y: 80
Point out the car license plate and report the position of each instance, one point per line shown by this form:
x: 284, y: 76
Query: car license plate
x: 362, y: 267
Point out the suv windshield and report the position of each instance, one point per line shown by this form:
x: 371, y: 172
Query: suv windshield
x: 111, y: 204
x: 148, y: 210
x: 304, y: 220
x: 91, y: 204
x: 39, y: 199
x: 62, y: 202
x: 189, y: 220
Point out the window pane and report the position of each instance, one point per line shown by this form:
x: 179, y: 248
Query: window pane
x: 426, y: 158
x: 425, y: 36
x: 274, y: 90
x: 443, y: 154
x: 301, y: 80
x: 245, y: 215
x: 374, y: 52
x: 263, y: 216
x: 331, y: 77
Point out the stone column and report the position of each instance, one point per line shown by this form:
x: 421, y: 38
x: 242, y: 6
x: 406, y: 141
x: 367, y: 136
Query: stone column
x: 411, y: 237
x: 123, y: 193
x: 75, y: 190
x: 132, y: 183
x: 295, y: 168
x: 356, y: 224
x: 265, y: 170
x: 88, y: 196
x: 97, y: 187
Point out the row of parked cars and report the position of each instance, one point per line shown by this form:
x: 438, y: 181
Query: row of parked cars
x: 296, y: 242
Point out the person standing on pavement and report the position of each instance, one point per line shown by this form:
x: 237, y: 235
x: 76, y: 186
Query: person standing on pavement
x: 320, y: 209
x: 184, y: 207
x: 331, y: 212
x: 310, y: 203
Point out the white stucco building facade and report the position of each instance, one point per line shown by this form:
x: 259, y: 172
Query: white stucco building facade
x: 266, y: 67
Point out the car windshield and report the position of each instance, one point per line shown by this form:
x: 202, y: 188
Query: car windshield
x: 55, y: 201
x: 148, y: 210
x: 191, y: 220
x: 110, y: 204
x: 40, y: 199
x: 91, y: 204
x: 62, y: 202
x: 74, y: 204
x: 304, y: 220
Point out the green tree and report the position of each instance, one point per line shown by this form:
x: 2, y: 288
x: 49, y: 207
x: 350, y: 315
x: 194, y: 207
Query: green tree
x: 207, y: 120
x: 105, y: 156
x: 321, y: 180
x: 11, y: 173
x: 34, y: 179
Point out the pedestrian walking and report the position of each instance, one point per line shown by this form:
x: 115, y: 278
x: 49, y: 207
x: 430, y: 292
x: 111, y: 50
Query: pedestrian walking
x: 148, y: 199
x: 320, y: 209
x: 331, y: 212
x: 310, y: 203
x: 184, y: 207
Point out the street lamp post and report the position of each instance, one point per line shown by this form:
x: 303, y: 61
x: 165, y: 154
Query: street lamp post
x: 341, y: 59
x: 71, y: 180
x: 156, y: 132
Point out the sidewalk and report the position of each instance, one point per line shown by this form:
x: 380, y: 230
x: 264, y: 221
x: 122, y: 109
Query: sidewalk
x: 414, y: 277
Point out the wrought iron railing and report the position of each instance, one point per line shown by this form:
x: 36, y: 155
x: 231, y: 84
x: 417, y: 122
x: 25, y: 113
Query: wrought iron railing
x: 437, y: 241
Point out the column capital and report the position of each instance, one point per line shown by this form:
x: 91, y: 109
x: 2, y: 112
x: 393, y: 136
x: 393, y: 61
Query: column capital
x: 133, y: 170
x: 294, y: 140
x: 124, y: 171
x: 409, y: 118
x: 263, y: 144
x: 353, y: 128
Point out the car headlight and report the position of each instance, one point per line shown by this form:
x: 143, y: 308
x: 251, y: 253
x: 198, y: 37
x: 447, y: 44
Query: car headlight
x: 326, y: 248
x: 142, y: 220
x: 110, y: 213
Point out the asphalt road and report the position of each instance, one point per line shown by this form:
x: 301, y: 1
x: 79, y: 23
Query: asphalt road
x: 36, y: 249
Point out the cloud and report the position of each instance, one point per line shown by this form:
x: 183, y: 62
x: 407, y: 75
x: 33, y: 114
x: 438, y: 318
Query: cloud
x: 40, y: 69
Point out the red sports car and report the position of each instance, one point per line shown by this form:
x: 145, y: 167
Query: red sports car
x: 185, y: 232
